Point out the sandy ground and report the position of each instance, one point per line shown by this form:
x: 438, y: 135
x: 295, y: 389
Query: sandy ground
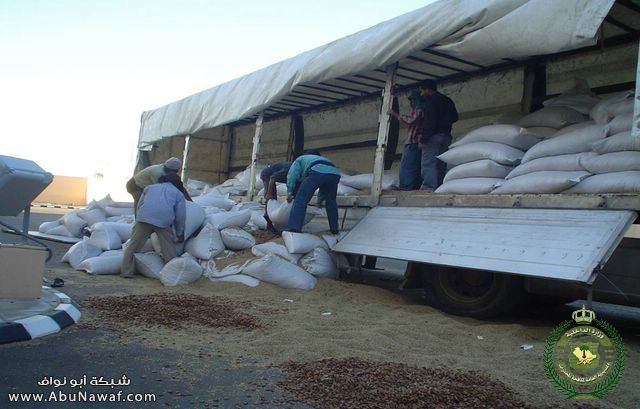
x: 367, y: 322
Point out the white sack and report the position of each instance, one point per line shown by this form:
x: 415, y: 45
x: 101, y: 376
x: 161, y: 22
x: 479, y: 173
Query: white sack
x: 319, y: 263
x: 484, y: 168
x: 148, y: 264
x: 112, y: 253
x: 258, y: 220
x: 194, y: 218
x: 541, y: 182
x: 230, y: 219
x: 615, y: 182
x: 128, y: 205
x: 260, y: 250
x: 569, y: 162
x: 123, y: 230
x: 238, y: 278
x: 365, y: 180
x: 155, y: 243
x: 344, y: 190
x: 623, y: 141
x: 541, y: 132
x: 214, y: 199
x: 180, y: 270
x: 573, y: 142
x: 497, y: 152
x: 511, y: 135
x: 60, y: 231
x: 612, y: 162
x: 231, y: 187
x: 469, y: 186
x: 146, y: 247
x: 102, y: 265
x: 106, y: 238
x: 582, y: 103
x: 74, y: 223
x: 211, y: 271
x: 621, y: 123
x: 574, y: 128
x: 613, y: 105
x: 207, y: 244
x: 278, y: 211
x: 79, y: 252
x: 118, y: 211
x: 552, y: 117
x: 275, y: 270
x: 46, y: 226
x: 209, y: 210
x: 237, y: 239
x: 104, y: 202
x: 247, y: 206
x: 93, y: 216
x: 302, y: 243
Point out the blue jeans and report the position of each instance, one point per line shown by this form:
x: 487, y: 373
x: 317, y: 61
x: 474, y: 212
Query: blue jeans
x: 328, y: 185
x: 410, y: 178
x: 433, y: 169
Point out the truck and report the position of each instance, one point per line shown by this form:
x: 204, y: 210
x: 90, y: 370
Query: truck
x: 475, y: 255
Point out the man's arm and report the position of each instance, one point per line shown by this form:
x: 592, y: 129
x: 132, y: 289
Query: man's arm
x: 295, y: 171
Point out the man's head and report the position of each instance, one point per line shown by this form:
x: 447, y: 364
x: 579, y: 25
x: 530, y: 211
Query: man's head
x: 427, y: 87
x: 173, y: 178
x: 414, y: 96
x: 313, y: 152
x: 172, y: 164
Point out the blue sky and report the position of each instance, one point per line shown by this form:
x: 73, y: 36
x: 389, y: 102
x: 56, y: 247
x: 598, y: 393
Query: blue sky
x: 76, y: 75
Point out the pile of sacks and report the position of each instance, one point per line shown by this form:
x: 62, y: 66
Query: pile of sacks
x: 558, y: 149
x: 215, y: 227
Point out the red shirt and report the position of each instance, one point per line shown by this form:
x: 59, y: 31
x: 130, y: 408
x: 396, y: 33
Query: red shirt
x: 415, y: 121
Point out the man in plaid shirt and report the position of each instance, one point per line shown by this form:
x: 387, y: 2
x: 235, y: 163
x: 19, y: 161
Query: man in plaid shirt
x: 410, y: 176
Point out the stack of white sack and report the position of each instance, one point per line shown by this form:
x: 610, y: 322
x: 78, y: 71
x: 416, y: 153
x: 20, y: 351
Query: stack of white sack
x: 197, y: 187
x: 483, y: 157
x: 73, y: 223
x: 364, y: 181
x: 296, y: 265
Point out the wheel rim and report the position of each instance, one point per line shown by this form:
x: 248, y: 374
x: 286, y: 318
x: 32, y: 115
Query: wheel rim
x: 467, y: 285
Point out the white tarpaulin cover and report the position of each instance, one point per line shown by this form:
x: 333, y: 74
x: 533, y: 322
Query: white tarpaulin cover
x: 481, y: 31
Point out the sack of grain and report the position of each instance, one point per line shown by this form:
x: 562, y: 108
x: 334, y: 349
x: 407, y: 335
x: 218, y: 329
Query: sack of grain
x: 615, y: 182
x: 237, y: 239
x: 180, y: 270
x: 102, y: 265
x: 623, y: 141
x: 484, y: 168
x: 302, y: 243
x: 612, y: 162
x: 621, y: 123
x: 92, y: 217
x: 230, y: 219
x: 122, y: 229
x: 148, y: 264
x: 469, y: 186
x: 80, y: 251
x: 275, y: 270
x: 207, y: 244
x: 279, y: 210
x: 541, y: 182
x: 74, y: 223
x: 569, y: 162
x: 582, y: 103
x: 106, y: 238
x: 552, y: 117
x: 261, y: 250
x: 319, y: 263
x: 46, y: 226
x: 497, y: 152
x: 512, y: 135
x: 611, y: 106
x: 573, y: 142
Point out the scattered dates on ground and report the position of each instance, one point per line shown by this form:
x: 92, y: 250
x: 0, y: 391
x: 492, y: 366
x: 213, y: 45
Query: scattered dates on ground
x: 357, y: 383
x: 175, y: 310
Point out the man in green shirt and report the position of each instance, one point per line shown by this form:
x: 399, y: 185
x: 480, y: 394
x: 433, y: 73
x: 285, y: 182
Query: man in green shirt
x: 150, y: 175
x: 312, y: 171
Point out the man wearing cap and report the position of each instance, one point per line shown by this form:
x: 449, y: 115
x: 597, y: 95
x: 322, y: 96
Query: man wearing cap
x: 161, y: 206
x: 439, y: 115
x: 410, y: 175
x: 150, y: 175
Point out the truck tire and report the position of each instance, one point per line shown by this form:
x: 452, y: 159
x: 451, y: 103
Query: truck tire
x: 474, y: 293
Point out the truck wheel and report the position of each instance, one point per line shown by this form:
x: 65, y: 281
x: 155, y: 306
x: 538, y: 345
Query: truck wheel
x: 475, y: 293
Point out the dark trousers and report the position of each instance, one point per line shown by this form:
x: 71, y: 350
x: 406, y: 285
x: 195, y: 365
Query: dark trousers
x: 410, y: 175
x: 328, y: 185
x: 433, y: 169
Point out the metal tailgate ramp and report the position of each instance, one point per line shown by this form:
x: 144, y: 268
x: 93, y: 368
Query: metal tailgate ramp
x: 551, y: 243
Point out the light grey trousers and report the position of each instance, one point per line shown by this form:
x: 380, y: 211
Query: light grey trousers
x: 140, y: 234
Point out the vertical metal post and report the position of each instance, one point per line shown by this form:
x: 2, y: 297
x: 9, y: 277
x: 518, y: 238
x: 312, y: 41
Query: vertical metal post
x: 254, y: 156
x: 635, y: 126
x: 26, y: 216
x: 230, y: 141
x: 383, y: 134
x: 185, y: 156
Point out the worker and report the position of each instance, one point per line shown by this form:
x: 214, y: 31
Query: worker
x: 410, y: 174
x: 312, y: 171
x: 161, y: 206
x: 272, y: 174
x: 150, y: 175
x: 439, y: 115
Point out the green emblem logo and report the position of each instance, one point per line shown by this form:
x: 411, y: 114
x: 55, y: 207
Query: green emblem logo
x: 585, y: 359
